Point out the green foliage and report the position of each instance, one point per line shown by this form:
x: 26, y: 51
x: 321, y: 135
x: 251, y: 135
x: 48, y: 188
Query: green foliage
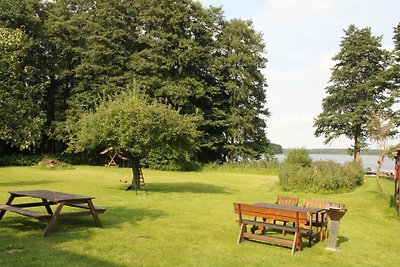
x: 265, y: 167
x: 358, y: 88
x: 300, y: 157
x: 321, y: 176
x: 135, y: 127
x: 22, y: 117
x: 276, y: 149
x: 240, y: 58
x: 78, y: 53
x: 160, y: 159
x: 20, y: 160
x: 51, y: 163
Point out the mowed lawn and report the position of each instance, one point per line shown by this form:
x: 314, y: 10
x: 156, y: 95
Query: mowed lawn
x: 187, y: 219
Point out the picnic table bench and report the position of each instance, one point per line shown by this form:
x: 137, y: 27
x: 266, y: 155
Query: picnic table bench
x: 268, y: 216
x: 49, y: 198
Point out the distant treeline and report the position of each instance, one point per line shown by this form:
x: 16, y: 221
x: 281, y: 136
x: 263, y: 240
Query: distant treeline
x: 336, y: 151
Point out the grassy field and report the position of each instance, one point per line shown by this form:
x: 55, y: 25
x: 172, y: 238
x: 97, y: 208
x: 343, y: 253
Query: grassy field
x: 187, y: 219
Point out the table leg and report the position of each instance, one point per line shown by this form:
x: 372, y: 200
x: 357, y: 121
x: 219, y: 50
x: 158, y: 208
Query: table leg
x: 53, y: 219
x: 9, y: 201
x: 94, y: 214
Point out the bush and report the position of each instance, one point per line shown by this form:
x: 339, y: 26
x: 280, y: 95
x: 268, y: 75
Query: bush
x: 265, y: 167
x: 298, y: 156
x: 20, y: 160
x: 53, y: 164
x: 321, y: 176
x: 168, y: 161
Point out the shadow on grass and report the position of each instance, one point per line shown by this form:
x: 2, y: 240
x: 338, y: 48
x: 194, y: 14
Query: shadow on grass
x: 30, y: 251
x: 79, y: 227
x: 185, y: 188
x: 392, y: 204
x: 26, y: 182
x: 342, y: 239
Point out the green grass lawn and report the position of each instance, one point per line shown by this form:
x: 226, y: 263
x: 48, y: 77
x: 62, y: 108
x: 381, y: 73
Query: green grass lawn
x: 187, y: 219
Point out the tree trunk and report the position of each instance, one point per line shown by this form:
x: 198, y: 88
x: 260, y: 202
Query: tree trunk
x: 135, y: 174
x: 356, y: 151
x: 378, y: 170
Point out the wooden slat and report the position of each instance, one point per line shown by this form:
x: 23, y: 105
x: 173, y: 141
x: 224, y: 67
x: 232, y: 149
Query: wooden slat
x: 270, y: 239
x: 25, y: 212
x: 271, y: 213
x: 290, y: 201
x: 34, y: 204
x: 85, y: 206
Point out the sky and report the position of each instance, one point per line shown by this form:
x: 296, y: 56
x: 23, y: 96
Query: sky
x: 301, y: 37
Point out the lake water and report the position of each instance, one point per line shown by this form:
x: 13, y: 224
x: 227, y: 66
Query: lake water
x: 368, y: 161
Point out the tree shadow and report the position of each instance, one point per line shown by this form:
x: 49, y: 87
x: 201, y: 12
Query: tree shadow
x: 16, y: 250
x: 392, y: 204
x: 185, y: 188
x: 27, y: 183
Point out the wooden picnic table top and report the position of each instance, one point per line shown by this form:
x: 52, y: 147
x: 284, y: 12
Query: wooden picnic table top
x: 291, y: 208
x: 49, y: 195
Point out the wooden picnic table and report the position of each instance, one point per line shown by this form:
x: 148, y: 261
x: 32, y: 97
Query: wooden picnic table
x: 310, y: 210
x: 49, y: 198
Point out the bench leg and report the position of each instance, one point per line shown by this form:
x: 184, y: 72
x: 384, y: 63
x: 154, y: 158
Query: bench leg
x: 9, y: 201
x: 53, y: 219
x: 295, y: 243
x: 94, y: 214
x: 241, y: 232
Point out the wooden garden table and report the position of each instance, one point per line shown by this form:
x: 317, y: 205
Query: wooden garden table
x: 49, y: 198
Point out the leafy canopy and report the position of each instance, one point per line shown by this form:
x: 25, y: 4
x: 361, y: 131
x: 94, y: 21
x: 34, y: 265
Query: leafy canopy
x: 132, y: 125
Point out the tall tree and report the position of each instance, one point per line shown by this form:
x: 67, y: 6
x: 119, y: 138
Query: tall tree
x: 240, y: 59
x: 21, y: 97
x: 357, y: 90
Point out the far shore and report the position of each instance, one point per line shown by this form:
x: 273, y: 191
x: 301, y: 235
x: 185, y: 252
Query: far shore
x: 336, y: 151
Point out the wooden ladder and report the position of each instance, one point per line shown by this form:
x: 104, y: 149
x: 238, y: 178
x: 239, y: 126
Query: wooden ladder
x: 141, y: 182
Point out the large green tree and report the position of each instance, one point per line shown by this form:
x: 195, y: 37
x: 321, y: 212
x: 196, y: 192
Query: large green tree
x: 357, y: 89
x: 240, y: 57
x: 135, y: 127
x: 21, y: 112
x: 178, y: 52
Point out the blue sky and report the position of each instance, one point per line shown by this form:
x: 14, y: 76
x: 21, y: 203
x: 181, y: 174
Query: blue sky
x: 301, y: 37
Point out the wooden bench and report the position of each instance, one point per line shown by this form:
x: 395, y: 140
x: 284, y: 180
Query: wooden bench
x: 320, y: 221
x: 85, y: 206
x: 252, y: 212
x: 29, y: 213
x: 290, y: 201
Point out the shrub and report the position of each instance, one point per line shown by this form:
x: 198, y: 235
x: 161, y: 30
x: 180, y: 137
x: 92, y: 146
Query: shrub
x: 19, y: 160
x: 53, y: 164
x: 299, y: 156
x: 265, y: 167
x: 321, y: 176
